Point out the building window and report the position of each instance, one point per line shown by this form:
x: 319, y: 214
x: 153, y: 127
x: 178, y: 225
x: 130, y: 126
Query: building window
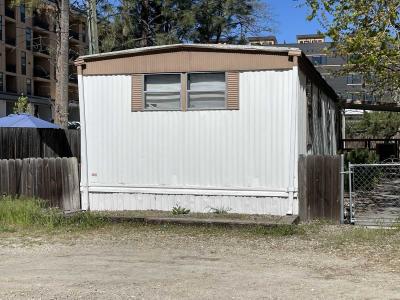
x: 206, y: 91
x: 319, y: 60
x: 22, y: 11
x: 1, y: 28
x: 23, y: 63
x: 354, y: 79
x: 1, y: 81
x: 28, y: 86
x: 162, y: 92
x: 28, y: 38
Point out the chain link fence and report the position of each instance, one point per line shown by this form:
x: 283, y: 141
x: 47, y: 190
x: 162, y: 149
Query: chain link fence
x: 374, y: 194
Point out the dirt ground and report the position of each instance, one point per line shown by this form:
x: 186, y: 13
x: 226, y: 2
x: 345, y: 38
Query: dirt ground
x: 150, y: 262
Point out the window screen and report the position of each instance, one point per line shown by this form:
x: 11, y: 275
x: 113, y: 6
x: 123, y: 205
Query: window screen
x: 206, y: 91
x: 162, y: 92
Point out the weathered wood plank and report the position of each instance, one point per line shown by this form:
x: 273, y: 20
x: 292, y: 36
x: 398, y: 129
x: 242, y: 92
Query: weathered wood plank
x: 319, y: 187
x: 31, y: 142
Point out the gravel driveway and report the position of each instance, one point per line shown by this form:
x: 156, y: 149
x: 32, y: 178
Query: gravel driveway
x: 130, y: 263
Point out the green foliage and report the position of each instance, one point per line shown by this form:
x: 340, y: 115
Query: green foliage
x: 21, y: 105
x: 178, y: 210
x: 28, y: 212
x: 374, y: 125
x: 360, y: 156
x: 139, y: 23
x: 367, y: 31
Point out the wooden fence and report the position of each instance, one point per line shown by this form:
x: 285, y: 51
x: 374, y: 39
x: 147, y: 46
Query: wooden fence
x: 53, y: 179
x: 19, y: 143
x: 319, y: 187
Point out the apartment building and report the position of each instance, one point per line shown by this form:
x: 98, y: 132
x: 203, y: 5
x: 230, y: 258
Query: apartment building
x: 348, y: 87
x: 27, y: 58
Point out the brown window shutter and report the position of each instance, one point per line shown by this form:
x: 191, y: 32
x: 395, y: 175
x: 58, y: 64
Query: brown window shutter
x: 232, y: 90
x: 137, y: 92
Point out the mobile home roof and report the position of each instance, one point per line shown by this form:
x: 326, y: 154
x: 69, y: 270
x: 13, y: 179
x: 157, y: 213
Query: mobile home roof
x: 120, y: 62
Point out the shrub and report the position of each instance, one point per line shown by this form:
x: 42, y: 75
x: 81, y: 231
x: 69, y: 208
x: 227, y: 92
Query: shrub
x: 178, y: 210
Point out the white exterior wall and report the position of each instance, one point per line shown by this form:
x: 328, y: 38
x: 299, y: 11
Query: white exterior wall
x: 244, y: 160
x: 324, y: 140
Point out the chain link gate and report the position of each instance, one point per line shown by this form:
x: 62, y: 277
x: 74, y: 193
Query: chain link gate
x: 374, y: 194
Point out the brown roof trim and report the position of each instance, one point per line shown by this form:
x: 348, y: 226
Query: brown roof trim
x: 189, y: 47
x: 308, y: 68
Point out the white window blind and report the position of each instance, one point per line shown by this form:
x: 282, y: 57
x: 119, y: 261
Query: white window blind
x: 206, y: 91
x: 162, y: 92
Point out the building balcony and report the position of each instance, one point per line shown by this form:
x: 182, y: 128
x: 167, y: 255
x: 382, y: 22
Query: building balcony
x: 74, y: 34
x: 73, y: 78
x: 40, y: 72
x: 39, y: 22
x: 10, y: 12
x: 12, y: 68
x: 10, y: 41
x: 40, y: 48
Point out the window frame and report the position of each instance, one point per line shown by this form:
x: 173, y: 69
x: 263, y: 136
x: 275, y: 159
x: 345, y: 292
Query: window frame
x: 28, y: 42
x: 22, y: 12
x: 144, y: 92
x: 188, y: 91
x: 28, y: 91
x: 24, y: 62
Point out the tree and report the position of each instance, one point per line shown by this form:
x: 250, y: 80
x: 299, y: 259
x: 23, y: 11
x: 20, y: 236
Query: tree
x: 381, y: 125
x: 21, y: 105
x: 140, y: 23
x: 368, y: 33
x: 59, y: 11
x: 229, y: 20
x: 62, y: 71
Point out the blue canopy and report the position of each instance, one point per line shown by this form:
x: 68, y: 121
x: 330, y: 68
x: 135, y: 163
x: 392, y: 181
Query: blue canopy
x: 26, y: 121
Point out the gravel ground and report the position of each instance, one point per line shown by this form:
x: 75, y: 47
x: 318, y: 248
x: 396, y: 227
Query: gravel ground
x: 156, y: 262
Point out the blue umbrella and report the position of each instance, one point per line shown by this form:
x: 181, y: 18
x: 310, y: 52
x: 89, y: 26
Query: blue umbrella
x: 26, y: 121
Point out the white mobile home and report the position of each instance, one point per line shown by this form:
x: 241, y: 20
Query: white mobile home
x: 202, y: 126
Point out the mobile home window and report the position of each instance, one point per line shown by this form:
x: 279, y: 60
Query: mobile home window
x: 162, y: 92
x: 206, y: 91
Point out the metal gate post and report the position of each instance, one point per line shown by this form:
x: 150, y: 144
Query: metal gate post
x: 350, y: 197
x: 341, y: 219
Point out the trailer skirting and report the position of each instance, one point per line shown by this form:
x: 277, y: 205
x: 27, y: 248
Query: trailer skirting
x: 117, y: 201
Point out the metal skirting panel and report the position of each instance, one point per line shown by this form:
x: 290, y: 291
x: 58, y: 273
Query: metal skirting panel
x: 247, y: 148
x: 196, y: 203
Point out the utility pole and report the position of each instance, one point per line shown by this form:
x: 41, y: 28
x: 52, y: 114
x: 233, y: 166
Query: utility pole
x: 92, y: 27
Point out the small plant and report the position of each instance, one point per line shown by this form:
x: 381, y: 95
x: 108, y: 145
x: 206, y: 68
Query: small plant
x: 220, y: 210
x: 21, y: 105
x: 179, y: 210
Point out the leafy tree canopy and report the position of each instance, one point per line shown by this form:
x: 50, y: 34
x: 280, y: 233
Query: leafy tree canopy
x: 374, y: 125
x: 368, y: 32
x: 139, y: 23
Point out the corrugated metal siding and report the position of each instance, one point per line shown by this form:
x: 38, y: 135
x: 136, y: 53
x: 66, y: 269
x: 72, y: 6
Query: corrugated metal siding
x: 324, y: 142
x: 132, y: 201
x: 244, y: 149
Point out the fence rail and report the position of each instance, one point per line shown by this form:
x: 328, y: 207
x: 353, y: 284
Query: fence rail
x: 319, y: 187
x: 53, y: 179
x: 19, y: 143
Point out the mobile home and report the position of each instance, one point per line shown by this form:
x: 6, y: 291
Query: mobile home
x: 202, y: 126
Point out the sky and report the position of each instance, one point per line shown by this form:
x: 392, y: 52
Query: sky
x: 291, y: 20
